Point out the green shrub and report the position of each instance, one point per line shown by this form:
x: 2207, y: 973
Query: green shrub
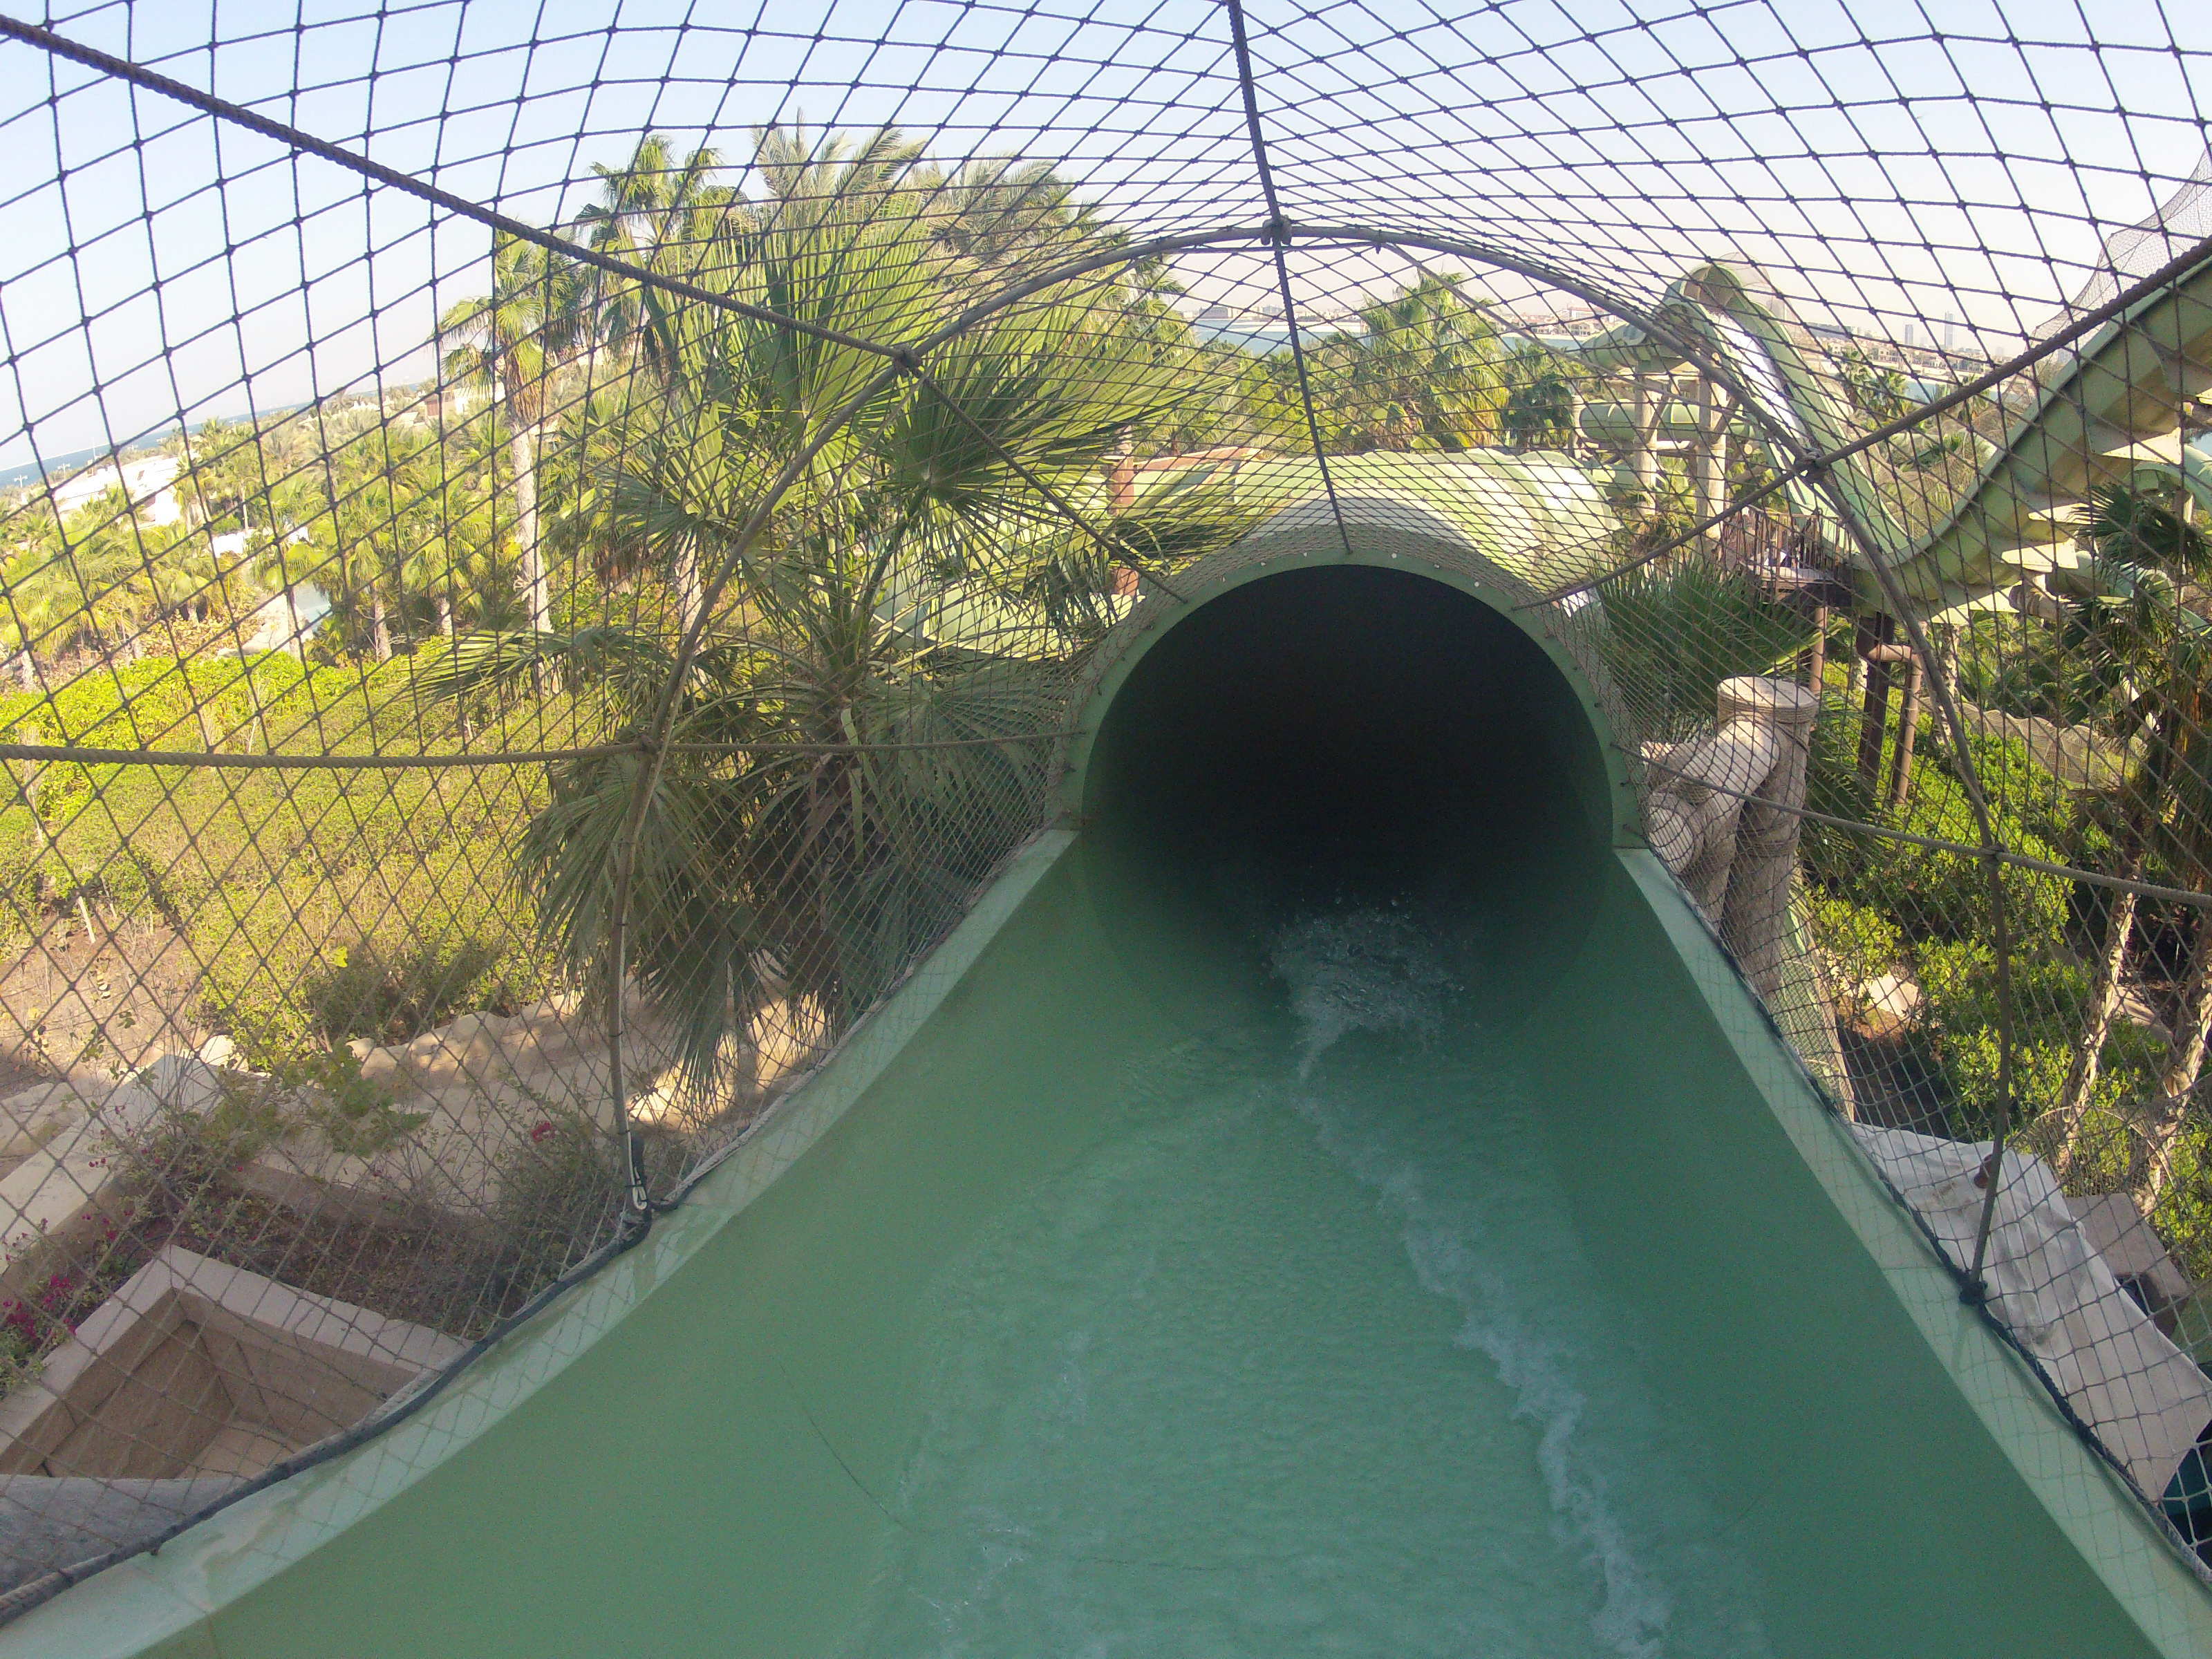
x: 1876, y: 900
x: 2183, y: 1215
x: 1957, y: 1025
x: 561, y: 1194
x: 272, y: 984
x: 260, y: 872
x: 395, y: 992
x: 1946, y: 895
x: 2017, y: 666
x: 21, y: 869
x: 1858, y: 943
x: 1929, y: 893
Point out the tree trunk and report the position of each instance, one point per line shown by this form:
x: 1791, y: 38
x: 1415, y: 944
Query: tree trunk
x: 444, y: 615
x: 26, y: 669
x: 1947, y: 666
x: 1908, y: 723
x: 1873, y: 631
x: 690, y: 590
x: 2184, y: 1060
x: 523, y: 449
x: 2072, y: 1107
x: 1815, y: 662
x: 379, y: 626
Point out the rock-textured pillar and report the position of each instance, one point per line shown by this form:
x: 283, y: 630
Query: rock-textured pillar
x: 1755, y: 916
x: 1698, y: 796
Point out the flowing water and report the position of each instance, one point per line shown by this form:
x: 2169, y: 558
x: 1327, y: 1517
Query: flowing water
x: 1302, y: 1356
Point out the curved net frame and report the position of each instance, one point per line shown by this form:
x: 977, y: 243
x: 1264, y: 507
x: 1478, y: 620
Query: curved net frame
x: 550, y: 554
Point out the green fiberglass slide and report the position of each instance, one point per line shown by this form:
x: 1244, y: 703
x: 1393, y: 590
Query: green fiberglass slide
x: 1331, y: 1197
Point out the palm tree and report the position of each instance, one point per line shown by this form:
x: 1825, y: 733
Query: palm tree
x: 106, y: 558
x: 886, y: 766
x: 381, y: 497
x: 290, y: 547
x: 456, y: 558
x: 185, y: 576
x: 513, y: 340
x: 829, y: 180
x: 999, y: 215
x: 43, y: 599
x: 655, y: 212
x: 1539, y: 414
x: 1428, y: 372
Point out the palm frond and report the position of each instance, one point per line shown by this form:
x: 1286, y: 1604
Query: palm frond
x: 631, y: 666
x: 692, y: 944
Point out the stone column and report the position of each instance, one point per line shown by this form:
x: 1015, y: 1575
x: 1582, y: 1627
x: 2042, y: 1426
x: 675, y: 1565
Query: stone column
x: 1698, y: 799
x: 1709, y: 455
x: 1644, y: 415
x: 1755, y: 917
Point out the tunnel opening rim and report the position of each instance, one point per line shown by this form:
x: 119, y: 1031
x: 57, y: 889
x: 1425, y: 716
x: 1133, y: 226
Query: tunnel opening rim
x: 1447, y: 560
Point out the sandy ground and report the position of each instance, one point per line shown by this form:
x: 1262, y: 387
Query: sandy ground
x: 99, y: 1009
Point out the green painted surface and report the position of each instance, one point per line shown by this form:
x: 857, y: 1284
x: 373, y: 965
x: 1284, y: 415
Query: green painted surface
x: 1336, y: 1213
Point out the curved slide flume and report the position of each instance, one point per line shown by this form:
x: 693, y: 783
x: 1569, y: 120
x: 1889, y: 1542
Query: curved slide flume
x: 1330, y: 1196
x: 2107, y: 407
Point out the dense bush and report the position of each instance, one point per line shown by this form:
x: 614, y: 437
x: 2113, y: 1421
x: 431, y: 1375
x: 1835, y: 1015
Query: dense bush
x: 1858, y: 945
x: 562, y: 1195
x: 1931, y: 893
x: 397, y: 993
x: 2015, y: 664
x: 2183, y: 1215
x: 1878, y: 903
x: 1957, y: 1021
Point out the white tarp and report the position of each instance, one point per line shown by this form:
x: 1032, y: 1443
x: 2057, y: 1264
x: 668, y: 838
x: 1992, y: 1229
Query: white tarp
x: 2145, y: 1398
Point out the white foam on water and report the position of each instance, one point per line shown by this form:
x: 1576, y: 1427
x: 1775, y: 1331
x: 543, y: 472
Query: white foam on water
x: 1636, y: 1609
x: 1360, y: 971
x: 1463, y: 1222
x: 1270, y: 1369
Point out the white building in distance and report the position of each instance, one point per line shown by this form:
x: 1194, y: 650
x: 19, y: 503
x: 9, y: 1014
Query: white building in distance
x: 148, y: 481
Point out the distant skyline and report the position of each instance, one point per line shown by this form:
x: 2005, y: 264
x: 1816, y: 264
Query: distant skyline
x: 1828, y: 142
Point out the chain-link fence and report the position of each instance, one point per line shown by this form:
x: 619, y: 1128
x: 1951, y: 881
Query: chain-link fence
x: 547, y: 565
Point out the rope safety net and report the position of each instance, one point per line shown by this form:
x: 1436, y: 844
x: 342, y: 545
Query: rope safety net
x: 547, y: 553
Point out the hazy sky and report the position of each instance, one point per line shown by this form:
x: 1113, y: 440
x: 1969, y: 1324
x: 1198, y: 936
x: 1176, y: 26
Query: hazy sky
x: 1892, y: 171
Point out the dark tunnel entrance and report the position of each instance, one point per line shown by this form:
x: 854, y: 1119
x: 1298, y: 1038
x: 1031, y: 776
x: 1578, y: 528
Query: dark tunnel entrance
x: 1349, y: 735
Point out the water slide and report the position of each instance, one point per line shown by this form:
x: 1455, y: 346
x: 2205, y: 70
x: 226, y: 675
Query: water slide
x: 2107, y: 409
x: 1331, y: 1196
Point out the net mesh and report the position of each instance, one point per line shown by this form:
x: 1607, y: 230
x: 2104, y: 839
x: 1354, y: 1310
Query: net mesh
x: 550, y: 556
